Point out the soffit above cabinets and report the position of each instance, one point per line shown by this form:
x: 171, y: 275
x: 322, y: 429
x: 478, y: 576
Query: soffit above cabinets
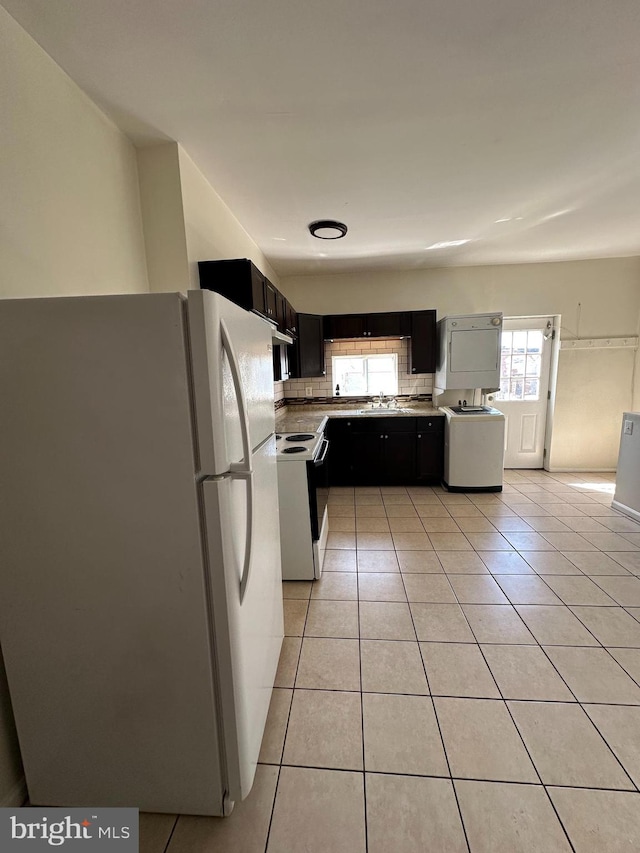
x: 442, y: 133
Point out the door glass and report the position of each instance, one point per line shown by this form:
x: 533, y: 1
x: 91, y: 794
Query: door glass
x: 520, y: 365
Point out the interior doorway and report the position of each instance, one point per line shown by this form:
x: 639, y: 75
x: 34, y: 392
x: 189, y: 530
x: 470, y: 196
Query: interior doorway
x: 525, y: 373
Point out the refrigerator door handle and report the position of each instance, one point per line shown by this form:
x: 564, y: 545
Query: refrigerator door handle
x: 248, y: 544
x: 244, y: 467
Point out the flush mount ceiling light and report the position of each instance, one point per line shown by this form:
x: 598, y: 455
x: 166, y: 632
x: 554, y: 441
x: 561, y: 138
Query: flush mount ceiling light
x: 327, y: 229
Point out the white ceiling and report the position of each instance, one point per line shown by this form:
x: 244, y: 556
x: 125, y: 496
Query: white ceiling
x: 413, y: 121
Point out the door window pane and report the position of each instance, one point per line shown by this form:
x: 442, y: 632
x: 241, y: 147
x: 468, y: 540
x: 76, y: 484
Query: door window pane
x: 531, y: 389
x: 533, y: 365
x: 534, y: 341
x: 519, y: 342
x: 517, y: 365
x: 520, y: 365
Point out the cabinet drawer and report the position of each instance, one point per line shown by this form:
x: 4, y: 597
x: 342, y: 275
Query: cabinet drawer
x: 430, y: 425
x: 340, y: 426
x: 384, y: 425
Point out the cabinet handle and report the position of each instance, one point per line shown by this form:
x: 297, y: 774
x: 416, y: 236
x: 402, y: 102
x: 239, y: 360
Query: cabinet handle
x: 413, y: 370
x: 429, y: 423
x: 348, y: 423
x: 386, y: 436
x: 419, y: 436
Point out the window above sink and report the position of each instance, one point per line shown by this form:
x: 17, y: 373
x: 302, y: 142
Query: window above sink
x: 365, y: 375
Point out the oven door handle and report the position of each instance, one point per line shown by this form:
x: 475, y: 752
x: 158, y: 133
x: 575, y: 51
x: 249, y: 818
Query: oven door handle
x: 320, y: 460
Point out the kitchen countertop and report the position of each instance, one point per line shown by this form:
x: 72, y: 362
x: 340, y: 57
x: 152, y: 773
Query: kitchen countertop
x: 313, y: 417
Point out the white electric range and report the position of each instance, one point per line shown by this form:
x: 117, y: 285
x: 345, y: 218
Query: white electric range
x: 303, y: 492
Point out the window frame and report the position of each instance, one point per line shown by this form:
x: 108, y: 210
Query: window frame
x: 366, y: 357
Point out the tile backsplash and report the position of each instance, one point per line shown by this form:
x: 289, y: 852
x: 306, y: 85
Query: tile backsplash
x: 323, y: 386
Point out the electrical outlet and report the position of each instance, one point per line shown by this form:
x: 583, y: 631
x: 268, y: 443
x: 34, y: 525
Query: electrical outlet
x: 628, y: 427
x: 308, y: 391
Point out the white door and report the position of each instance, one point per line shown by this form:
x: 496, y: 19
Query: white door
x: 246, y: 600
x: 230, y: 350
x: 524, y: 387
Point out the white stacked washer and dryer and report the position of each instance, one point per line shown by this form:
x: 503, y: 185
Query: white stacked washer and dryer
x: 469, y: 360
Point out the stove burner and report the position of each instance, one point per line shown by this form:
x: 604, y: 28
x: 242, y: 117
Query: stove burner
x: 294, y: 449
x: 303, y: 436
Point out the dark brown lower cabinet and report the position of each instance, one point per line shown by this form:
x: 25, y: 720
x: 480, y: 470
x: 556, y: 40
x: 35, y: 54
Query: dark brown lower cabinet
x: 340, y: 435
x: 385, y: 451
x: 429, y: 449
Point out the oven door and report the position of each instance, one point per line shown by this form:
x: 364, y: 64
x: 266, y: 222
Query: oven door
x: 318, y: 482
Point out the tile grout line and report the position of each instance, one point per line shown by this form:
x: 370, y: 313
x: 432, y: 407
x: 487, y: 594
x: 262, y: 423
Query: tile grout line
x: 364, y: 766
x: 516, y: 513
x: 170, y: 838
x: 435, y: 716
x: 284, y: 740
x: 504, y: 701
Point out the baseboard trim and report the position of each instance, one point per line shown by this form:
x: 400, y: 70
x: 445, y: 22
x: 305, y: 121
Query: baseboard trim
x: 471, y: 488
x: 626, y: 510
x: 581, y: 470
x: 16, y: 796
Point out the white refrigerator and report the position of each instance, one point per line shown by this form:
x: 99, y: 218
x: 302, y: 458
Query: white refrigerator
x: 140, y: 582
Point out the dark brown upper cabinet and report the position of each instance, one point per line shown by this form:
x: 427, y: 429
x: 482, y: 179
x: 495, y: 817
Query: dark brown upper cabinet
x: 422, y: 352
x: 238, y: 280
x: 345, y: 326
x: 388, y: 325
x: 270, y: 300
x: 292, y: 319
x: 307, y: 352
x: 281, y: 311
x: 381, y: 325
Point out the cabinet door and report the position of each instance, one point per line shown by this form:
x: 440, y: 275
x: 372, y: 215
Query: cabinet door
x: 423, y: 342
x: 430, y: 451
x: 292, y: 319
x: 281, y: 311
x: 367, y: 453
x: 270, y: 300
x: 239, y: 280
x: 309, y: 348
x: 399, y: 458
x: 345, y: 326
x: 388, y: 324
x: 277, y: 365
x: 280, y: 363
x: 340, y: 435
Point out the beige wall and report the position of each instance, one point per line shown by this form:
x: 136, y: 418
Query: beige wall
x: 69, y: 203
x: 12, y: 789
x: 595, y: 299
x: 186, y: 221
x: 594, y: 389
x: 70, y: 221
x: 163, y: 218
x: 212, y: 231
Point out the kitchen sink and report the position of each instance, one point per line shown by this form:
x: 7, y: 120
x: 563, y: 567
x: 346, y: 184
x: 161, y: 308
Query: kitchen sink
x: 382, y: 411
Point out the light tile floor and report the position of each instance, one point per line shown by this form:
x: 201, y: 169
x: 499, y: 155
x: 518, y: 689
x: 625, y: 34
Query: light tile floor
x: 464, y: 677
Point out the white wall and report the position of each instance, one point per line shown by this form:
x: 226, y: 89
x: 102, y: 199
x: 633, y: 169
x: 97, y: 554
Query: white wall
x: 212, y: 231
x: 163, y: 218
x: 186, y: 221
x: 69, y: 205
x: 70, y: 221
x: 596, y: 299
